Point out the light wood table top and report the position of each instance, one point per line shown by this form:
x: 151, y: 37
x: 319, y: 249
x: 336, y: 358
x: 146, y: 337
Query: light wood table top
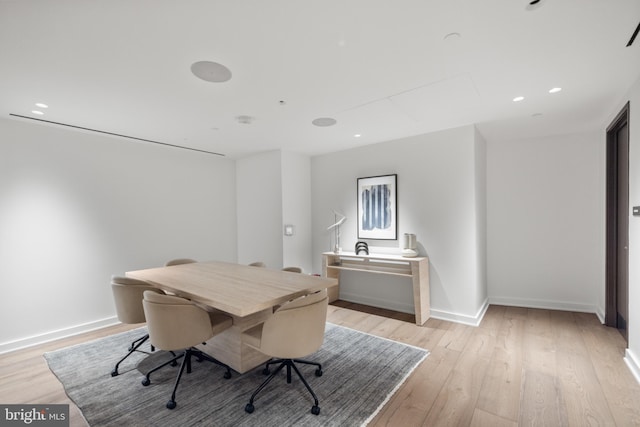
x: 236, y: 289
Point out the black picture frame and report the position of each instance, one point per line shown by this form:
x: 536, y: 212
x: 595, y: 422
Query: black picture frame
x: 378, y: 207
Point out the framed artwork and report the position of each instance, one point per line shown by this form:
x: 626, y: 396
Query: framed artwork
x: 377, y: 207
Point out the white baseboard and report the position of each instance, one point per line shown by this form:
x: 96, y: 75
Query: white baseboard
x: 633, y: 362
x: 54, y: 335
x: 461, y: 318
x: 409, y: 308
x: 545, y: 304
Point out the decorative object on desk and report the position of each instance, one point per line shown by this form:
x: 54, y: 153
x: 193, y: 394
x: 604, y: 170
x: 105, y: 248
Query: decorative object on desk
x: 377, y: 207
x: 338, y: 220
x: 409, y: 245
x: 363, y: 371
x: 362, y: 247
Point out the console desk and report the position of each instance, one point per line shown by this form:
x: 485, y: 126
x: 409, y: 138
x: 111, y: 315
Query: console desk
x: 415, y: 268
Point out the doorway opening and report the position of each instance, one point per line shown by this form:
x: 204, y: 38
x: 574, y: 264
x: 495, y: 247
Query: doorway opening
x: 617, y: 223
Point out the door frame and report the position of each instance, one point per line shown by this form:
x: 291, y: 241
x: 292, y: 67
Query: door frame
x: 612, y: 253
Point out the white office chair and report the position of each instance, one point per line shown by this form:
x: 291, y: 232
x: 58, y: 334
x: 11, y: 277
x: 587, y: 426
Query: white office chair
x: 258, y: 264
x: 179, y: 261
x: 176, y: 323
x: 127, y: 295
x: 295, y: 330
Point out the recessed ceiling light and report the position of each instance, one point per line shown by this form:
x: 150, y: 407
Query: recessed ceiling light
x: 211, y: 71
x: 41, y: 105
x: 357, y: 135
x: 37, y: 112
x: 555, y: 90
x: 518, y: 98
x: 324, y: 121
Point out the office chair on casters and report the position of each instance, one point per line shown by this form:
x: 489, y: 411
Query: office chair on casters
x: 258, y: 264
x: 127, y: 295
x: 179, y: 261
x: 295, y: 330
x: 177, y: 323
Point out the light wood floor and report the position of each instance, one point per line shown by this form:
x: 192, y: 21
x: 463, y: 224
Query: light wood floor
x: 519, y: 367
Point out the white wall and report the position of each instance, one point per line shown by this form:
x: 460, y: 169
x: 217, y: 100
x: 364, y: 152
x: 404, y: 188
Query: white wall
x: 77, y: 207
x: 259, y: 196
x: 273, y: 190
x: 296, y: 210
x: 633, y: 352
x: 546, y: 222
x: 437, y: 200
x: 480, y: 151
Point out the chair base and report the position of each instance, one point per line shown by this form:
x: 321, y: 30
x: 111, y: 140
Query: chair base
x: 135, y: 345
x: 186, y: 363
x: 290, y: 364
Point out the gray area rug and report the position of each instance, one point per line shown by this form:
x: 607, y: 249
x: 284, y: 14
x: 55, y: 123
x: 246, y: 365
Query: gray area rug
x: 361, y: 372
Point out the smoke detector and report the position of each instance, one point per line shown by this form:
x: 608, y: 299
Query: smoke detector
x: 245, y: 120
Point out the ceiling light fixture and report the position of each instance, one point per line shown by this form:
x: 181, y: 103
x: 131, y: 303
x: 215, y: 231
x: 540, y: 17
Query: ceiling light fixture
x: 41, y: 105
x: 357, y: 135
x: 324, y: 121
x: 40, y: 113
x: 555, y: 90
x: 518, y: 98
x: 211, y: 71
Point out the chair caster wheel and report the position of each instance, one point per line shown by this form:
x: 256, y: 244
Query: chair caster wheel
x: 227, y: 375
x: 266, y: 371
x: 171, y: 404
x: 249, y: 408
x: 318, y: 372
x: 315, y: 410
x: 114, y: 373
x: 145, y: 382
x: 174, y: 363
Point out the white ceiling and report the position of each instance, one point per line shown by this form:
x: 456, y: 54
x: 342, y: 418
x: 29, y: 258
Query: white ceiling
x: 381, y: 68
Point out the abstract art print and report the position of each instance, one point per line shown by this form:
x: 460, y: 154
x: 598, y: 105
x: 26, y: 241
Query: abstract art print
x: 377, y: 208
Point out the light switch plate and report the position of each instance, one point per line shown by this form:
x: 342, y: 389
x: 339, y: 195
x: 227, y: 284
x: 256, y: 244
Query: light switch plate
x: 288, y: 230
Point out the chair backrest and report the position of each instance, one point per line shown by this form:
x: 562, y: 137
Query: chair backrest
x: 293, y: 269
x: 258, y: 264
x: 296, y: 329
x: 127, y: 295
x: 175, y: 323
x: 179, y: 261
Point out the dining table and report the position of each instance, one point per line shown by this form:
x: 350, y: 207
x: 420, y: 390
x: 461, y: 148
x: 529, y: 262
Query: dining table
x: 245, y: 293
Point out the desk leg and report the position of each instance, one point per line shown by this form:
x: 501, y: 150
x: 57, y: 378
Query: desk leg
x: 228, y: 348
x: 421, y: 300
x: 334, y: 291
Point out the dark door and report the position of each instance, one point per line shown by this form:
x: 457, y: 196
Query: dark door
x: 618, y: 222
